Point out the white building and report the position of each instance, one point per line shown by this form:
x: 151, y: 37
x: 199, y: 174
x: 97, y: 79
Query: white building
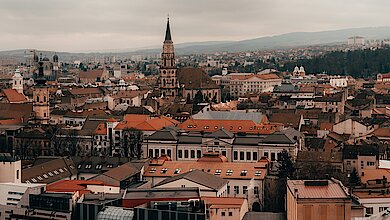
x: 241, y: 85
x: 17, y: 81
x: 339, y: 82
x: 10, y: 170
x: 356, y: 40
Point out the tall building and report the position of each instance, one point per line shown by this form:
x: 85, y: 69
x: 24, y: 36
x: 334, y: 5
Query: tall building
x: 168, y: 83
x: 17, y: 81
x: 41, y: 98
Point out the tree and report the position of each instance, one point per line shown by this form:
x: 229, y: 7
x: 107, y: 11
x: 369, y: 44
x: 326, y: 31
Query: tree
x: 132, y: 143
x: 354, y: 179
x: 285, y: 165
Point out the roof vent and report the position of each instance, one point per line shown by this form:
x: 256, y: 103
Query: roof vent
x: 316, y: 183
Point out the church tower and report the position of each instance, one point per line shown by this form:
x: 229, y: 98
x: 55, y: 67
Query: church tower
x: 17, y: 81
x: 56, y: 65
x: 41, y: 98
x: 168, y: 84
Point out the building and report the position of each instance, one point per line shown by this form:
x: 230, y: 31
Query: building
x: 17, y: 81
x: 354, y: 128
x: 317, y: 199
x: 226, y: 207
x: 168, y: 82
x: 10, y: 169
x: 208, y: 184
x: 41, y: 106
x: 356, y: 40
x: 241, y: 85
x: 245, y: 179
x: 383, y: 77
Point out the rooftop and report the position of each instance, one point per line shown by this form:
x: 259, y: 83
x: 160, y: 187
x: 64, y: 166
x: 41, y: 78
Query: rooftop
x: 316, y: 189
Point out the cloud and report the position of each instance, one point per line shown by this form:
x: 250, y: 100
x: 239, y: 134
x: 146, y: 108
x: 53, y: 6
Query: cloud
x: 75, y: 25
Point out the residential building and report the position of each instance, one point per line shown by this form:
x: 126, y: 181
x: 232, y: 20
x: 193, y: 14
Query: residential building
x: 317, y: 199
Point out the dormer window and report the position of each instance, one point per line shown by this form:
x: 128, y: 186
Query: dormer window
x: 243, y: 173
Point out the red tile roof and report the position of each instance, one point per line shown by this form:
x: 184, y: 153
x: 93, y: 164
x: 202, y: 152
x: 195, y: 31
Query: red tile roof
x: 101, y: 129
x: 72, y: 186
x: 224, y: 202
x: 234, y: 126
x: 253, y: 170
x: 13, y: 96
x: 332, y: 190
x: 145, y: 123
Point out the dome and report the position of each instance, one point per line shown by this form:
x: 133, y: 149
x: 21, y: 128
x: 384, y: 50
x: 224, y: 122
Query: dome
x: 296, y: 69
x: 45, y: 59
x: 301, y: 69
x: 122, y: 82
x: 107, y: 82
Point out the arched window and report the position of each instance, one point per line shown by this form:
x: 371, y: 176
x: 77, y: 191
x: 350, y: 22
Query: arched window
x: 164, y: 82
x: 37, y: 98
x: 44, y: 98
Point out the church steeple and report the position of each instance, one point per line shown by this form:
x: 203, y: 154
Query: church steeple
x: 168, y: 32
x: 168, y: 83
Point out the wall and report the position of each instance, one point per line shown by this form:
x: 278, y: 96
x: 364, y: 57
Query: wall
x: 11, y: 172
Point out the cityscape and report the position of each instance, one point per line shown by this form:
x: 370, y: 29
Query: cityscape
x: 219, y: 124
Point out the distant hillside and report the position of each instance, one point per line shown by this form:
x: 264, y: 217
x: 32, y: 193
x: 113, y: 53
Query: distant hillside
x: 285, y: 41
x: 358, y: 63
x: 296, y: 39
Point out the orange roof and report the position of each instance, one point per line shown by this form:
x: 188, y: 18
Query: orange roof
x: 326, y: 126
x: 145, y: 123
x: 91, y: 74
x: 253, y: 170
x: 330, y: 191
x: 382, y: 132
x: 101, y: 129
x: 375, y: 174
x: 72, y: 186
x: 234, y: 126
x: 224, y: 202
x: 111, y: 120
x: 13, y: 96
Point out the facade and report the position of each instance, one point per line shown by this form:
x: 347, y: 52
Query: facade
x: 10, y: 169
x: 245, y: 179
x: 383, y: 77
x: 354, y: 128
x: 241, y: 85
x: 317, y: 199
x: 17, y: 81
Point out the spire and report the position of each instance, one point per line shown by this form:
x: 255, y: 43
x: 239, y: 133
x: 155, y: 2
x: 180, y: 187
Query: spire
x: 168, y: 32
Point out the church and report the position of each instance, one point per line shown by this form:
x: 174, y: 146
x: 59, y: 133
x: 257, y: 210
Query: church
x: 183, y: 83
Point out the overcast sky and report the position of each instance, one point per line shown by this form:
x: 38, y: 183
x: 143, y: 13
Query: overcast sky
x: 84, y: 25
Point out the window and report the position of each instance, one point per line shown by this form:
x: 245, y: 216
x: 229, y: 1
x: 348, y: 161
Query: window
x: 162, y: 151
x: 242, y: 155
x: 169, y: 152
x: 256, y: 190
x: 185, y: 153
x: 228, y: 190
x: 218, y: 172
x: 17, y: 174
x: 198, y: 153
x: 245, y: 189
x: 180, y: 154
x: 248, y: 155
x: 177, y: 171
x: 192, y: 153
x: 381, y: 209
x: 224, y: 153
x: 222, y: 213
x: 236, y: 189
x: 370, y: 163
x: 244, y: 172
x: 156, y: 152
x: 216, y: 143
x: 258, y: 173
x: 153, y: 170
x: 230, y: 213
x: 362, y: 164
x: 183, y: 186
x: 235, y: 155
x: 266, y: 154
x: 272, y: 156
x: 348, y: 163
x: 254, y: 156
x: 164, y: 170
x: 369, y: 210
x: 229, y: 172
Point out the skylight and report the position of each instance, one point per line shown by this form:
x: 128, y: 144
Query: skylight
x: 229, y: 172
x: 244, y: 172
x: 164, y: 170
x: 218, y: 172
x: 258, y: 173
x: 153, y: 170
x: 177, y: 171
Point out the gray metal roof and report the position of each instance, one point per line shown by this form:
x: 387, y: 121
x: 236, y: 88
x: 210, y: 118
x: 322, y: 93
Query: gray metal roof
x: 229, y: 115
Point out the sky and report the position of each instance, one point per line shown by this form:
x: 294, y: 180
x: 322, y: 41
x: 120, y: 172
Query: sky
x: 100, y: 25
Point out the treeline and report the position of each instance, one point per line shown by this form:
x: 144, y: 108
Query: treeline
x: 357, y: 63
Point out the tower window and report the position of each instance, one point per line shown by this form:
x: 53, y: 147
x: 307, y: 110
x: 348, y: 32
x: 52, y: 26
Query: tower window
x: 44, y: 98
x: 37, y: 98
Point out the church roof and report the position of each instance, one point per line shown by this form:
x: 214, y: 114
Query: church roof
x: 195, y: 78
x: 168, y: 32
